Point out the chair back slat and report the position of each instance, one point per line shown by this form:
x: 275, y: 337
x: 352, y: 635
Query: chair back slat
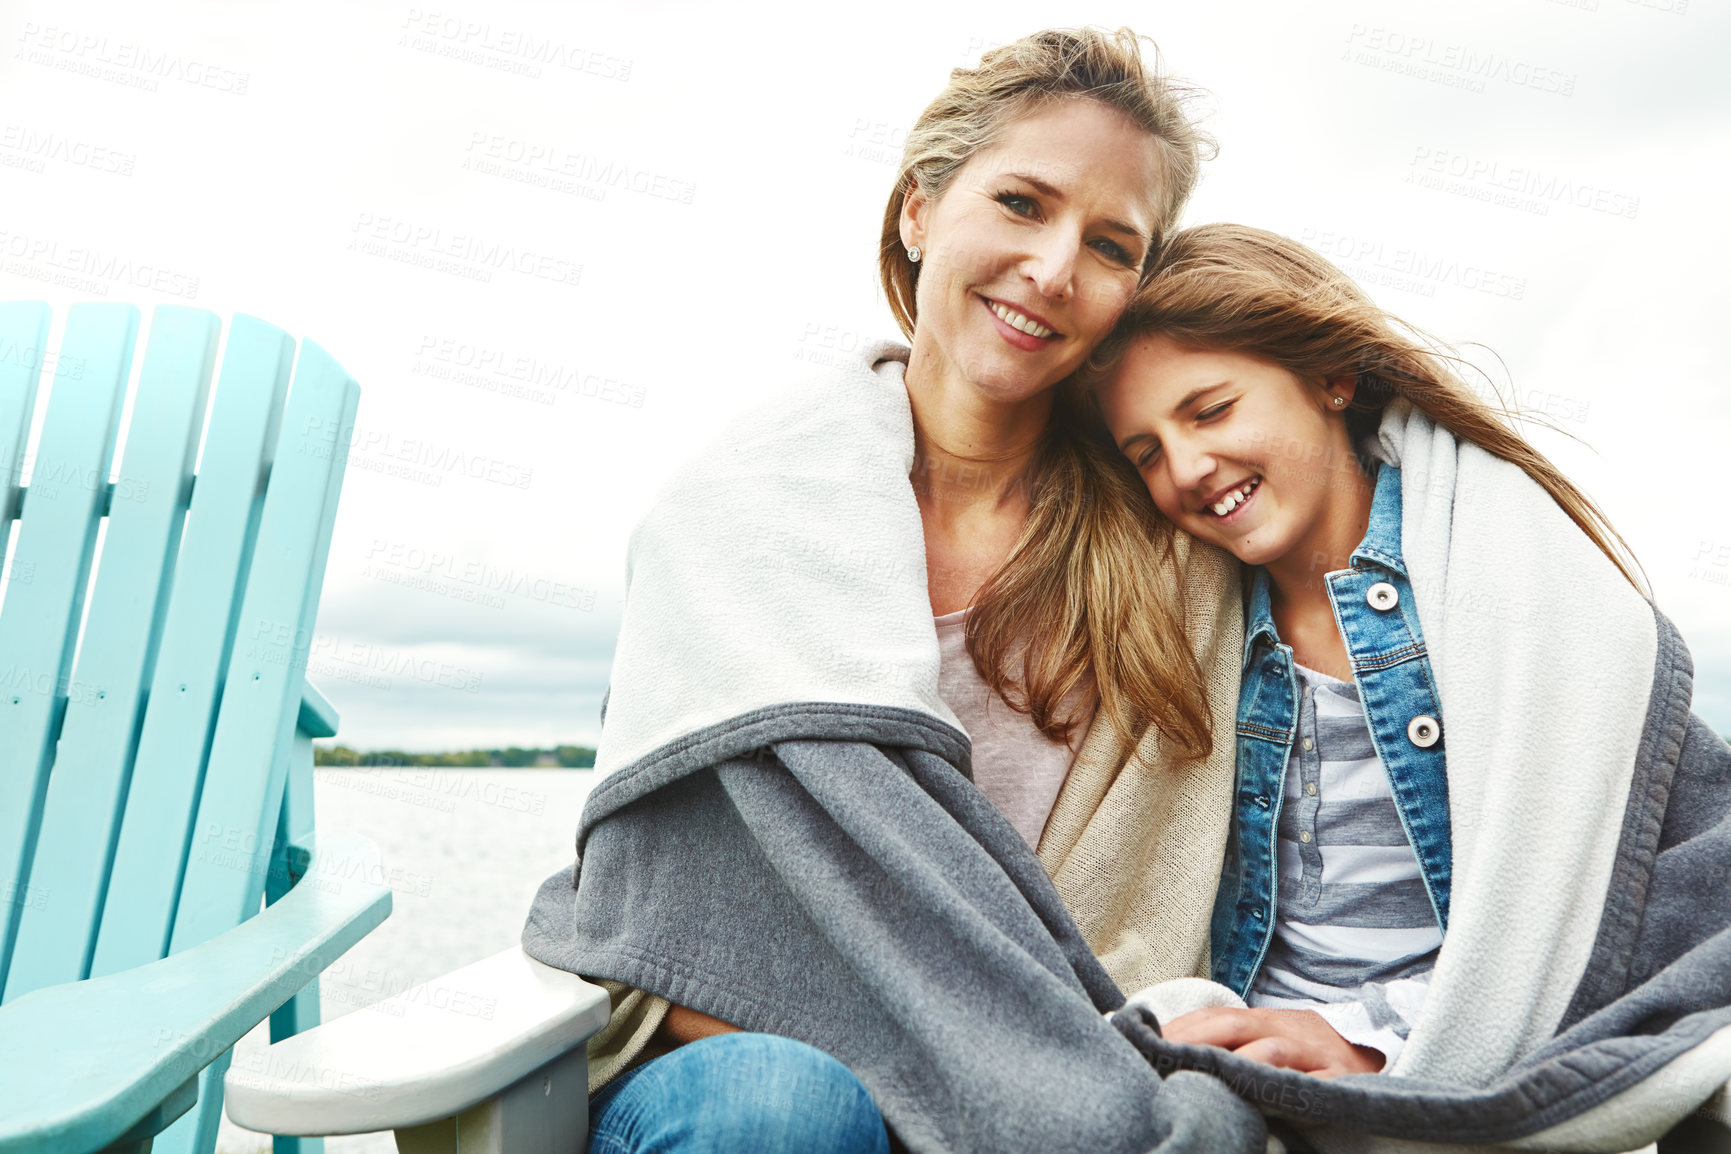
x: 23, y: 344
x: 57, y: 528
x: 87, y: 790
x: 215, y: 555
x: 243, y: 785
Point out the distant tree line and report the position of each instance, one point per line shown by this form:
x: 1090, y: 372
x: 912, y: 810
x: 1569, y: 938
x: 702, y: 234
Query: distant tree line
x: 511, y: 757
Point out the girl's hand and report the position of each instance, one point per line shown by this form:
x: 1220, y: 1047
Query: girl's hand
x: 1296, y: 1039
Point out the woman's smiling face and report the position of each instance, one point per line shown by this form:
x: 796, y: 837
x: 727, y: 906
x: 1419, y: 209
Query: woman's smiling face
x: 1033, y: 251
x: 1234, y: 449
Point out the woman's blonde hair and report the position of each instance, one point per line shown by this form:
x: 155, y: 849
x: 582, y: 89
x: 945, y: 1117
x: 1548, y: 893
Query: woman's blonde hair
x: 1087, y: 600
x: 1232, y: 288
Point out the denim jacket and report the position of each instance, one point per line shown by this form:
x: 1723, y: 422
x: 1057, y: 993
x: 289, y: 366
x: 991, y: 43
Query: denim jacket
x: 1378, y: 620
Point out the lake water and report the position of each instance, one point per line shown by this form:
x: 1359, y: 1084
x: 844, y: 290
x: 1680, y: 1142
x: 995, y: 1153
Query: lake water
x: 466, y: 850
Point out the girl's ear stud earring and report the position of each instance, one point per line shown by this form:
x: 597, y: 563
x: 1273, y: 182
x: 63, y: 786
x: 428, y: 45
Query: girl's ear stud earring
x: 1339, y: 401
x: 914, y: 254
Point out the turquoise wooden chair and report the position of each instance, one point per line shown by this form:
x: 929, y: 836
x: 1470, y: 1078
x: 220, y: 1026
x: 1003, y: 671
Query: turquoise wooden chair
x: 156, y: 732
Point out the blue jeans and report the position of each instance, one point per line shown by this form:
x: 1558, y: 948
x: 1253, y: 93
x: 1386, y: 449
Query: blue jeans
x: 734, y: 1094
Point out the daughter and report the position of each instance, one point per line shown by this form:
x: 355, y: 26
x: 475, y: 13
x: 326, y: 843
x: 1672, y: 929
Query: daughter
x: 1470, y: 800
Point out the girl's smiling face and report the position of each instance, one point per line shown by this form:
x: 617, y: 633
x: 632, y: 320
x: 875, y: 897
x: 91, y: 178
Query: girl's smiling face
x: 1236, y: 450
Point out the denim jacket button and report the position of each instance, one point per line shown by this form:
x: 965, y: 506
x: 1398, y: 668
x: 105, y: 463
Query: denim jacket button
x: 1382, y: 596
x: 1423, y: 731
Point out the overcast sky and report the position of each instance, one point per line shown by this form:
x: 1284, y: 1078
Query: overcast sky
x: 694, y: 192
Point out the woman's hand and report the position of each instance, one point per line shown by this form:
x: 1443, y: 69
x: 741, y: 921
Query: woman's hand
x: 684, y: 1025
x: 1296, y: 1039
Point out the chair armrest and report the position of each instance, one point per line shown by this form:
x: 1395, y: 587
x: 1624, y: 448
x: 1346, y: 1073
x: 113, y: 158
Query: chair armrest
x: 86, y: 1061
x: 429, y: 1053
x: 317, y: 715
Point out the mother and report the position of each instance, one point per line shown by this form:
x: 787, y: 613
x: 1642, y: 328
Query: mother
x: 785, y: 839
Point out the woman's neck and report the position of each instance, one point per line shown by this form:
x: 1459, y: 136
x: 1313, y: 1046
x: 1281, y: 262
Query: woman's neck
x: 971, y: 453
x: 971, y: 460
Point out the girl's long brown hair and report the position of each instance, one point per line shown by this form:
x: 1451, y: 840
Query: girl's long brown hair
x: 1088, y: 598
x: 1232, y: 288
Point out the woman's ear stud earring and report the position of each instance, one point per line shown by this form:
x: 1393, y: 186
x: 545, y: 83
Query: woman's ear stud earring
x: 914, y: 254
x: 1339, y: 401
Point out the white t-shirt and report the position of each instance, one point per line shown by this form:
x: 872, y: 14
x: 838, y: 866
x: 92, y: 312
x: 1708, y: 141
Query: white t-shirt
x: 1015, y: 765
x: 1355, y: 936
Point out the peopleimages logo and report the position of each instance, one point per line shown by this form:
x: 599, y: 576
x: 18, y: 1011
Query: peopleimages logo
x: 1410, y: 268
x: 1460, y: 66
x: 87, y: 269
x: 33, y: 150
x: 515, y: 373
x: 332, y: 655
x: 550, y: 166
x: 463, y: 253
x: 442, y: 572
x: 1513, y: 185
x: 122, y: 61
x: 505, y: 49
x: 431, y: 460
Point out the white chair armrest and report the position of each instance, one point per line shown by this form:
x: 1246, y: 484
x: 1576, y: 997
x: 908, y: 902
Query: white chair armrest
x: 426, y: 1054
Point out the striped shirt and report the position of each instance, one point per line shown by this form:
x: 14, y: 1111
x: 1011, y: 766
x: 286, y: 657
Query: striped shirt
x: 1355, y: 935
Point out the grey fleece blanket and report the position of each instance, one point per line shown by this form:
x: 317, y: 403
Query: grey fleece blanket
x: 786, y: 836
